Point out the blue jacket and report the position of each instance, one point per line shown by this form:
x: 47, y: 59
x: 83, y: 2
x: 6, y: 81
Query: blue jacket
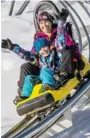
x: 52, y: 61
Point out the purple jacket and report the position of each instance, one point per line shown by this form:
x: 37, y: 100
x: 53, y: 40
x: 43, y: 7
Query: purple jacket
x: 64, y: 40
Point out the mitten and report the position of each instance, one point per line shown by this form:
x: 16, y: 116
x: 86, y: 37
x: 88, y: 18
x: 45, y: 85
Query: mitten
x: 63, y: 14
x: 52, y: 48
x: 4, y: 44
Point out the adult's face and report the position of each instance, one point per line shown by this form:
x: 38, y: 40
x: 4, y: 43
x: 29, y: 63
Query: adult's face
x: 45, y: 26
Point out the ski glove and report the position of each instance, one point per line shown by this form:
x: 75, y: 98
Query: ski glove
x: 63, y: 14
x: 7, y: 44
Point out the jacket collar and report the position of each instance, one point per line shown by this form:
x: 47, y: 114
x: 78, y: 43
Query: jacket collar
x: 41, y: 34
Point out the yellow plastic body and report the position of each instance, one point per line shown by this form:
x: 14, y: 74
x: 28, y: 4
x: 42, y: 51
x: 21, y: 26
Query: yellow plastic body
x: 61, y: 93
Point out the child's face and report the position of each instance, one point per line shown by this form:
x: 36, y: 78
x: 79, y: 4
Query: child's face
x: 44, y: 51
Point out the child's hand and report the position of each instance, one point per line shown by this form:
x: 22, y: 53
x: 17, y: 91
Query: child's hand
x: 52, y: 48
x: 34, y: 61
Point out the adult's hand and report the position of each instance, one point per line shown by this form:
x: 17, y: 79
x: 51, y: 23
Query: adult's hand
x: 7, y: 44
x: 4, y: 44
x: 63, y: 14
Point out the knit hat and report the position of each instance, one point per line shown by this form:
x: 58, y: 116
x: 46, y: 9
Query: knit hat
x: 40, y: 43
x: 45, y: 16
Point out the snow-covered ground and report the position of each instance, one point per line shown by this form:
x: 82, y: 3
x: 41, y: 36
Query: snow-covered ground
x: 20, y: 30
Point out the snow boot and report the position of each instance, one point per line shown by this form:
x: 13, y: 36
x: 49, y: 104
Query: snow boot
x: 47, y: 87
x: 17, y: 99
x: 61, y: 79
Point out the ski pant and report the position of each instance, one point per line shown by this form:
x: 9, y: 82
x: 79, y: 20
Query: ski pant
x: 46, y: 77
x: 67, y: 65
x: 27, y: 69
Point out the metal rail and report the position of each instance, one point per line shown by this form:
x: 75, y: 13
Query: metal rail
x: 82, y: 5
x: 24, y: 5
x: 27, y: 122
x: 11, y: 8
x: 81, y: 126
x: 48, y: 121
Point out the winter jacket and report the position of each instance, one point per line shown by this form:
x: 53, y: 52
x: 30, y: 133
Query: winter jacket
x: 52, y: 61
x: 41, y: 34
x: 26, y: 54
x: 64, y: 41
